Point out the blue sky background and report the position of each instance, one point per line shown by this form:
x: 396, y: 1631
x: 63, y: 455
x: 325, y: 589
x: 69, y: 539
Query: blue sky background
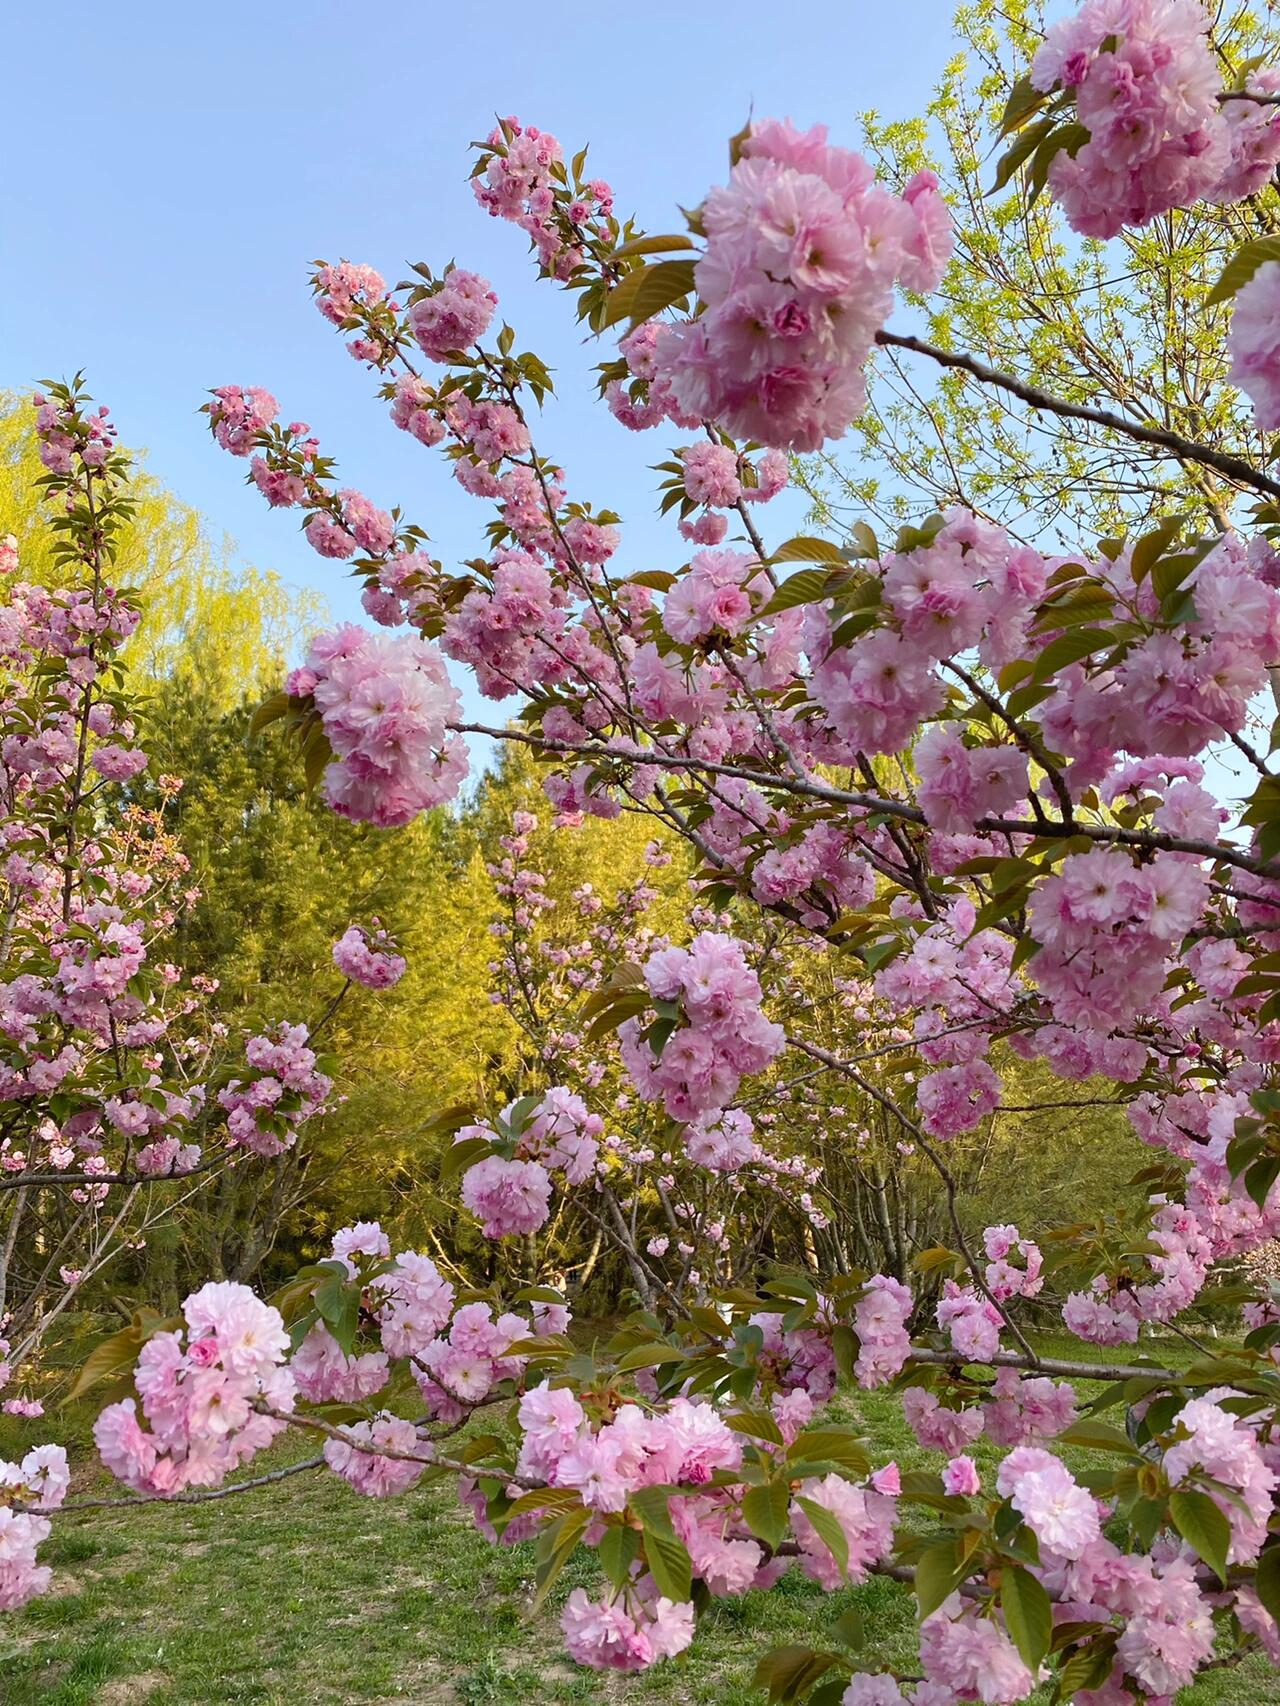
x: 173, y: 169
x: 179, y: 166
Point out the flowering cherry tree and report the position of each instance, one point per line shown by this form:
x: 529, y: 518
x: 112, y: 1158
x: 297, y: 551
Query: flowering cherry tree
x: 122, y: 1091
x: 975, y: 777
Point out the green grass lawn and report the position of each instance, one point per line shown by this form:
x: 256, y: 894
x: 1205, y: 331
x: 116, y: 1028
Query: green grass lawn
x: 306, y: 1593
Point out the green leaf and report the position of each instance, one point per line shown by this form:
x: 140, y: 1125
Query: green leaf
x: 1028, y: 1613
x: 1203, y: 1526
x: 1098, y: 1436
x: 276, y: 706
x: 669, y: 1564
x: 1024, y: 99
x: 337, y: 1297
x: 463, y: 1154
x: 1260, y: 1178
x: 667, y: 1558
x: 938, y: 1256
x: 937, y: 1576
x: 756, y: 1424
x: 545, y: 1498
x: 1018, y: 151
x: 316, y: 753
x: 111, y: 1356
x: 649, y: 1356
x: 764, y: 1510
x: 1152, y: 544
x: 1069, y: 648
x: 555, y: 1546
x: 789, y: 1672
x: 849, y: 1629
x: 1089, y: 1667
x: 648, y: 290
x: 830, y: 1531
x: 807, y: 587
x: 1242, y: 266
x: 626, y: 1005
x: 865, y: 540
x: 830, y: 1445
x: 1041, y: 160
x: 653, y: 245
x: 617, y: 1551
x: 1266, y: 1582
x: 808, y: 548
x: 829, y: 1692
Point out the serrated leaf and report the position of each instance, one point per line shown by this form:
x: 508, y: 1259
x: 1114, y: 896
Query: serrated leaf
x: 1261, y: 1177
x: 1069, y: 648
x: 461, y: 1155
x: 544, y: 1498
x: 807, y: 587
x: 617, y: 1552
x: 1153, y: 544
x: 652, y: 245
x: 830, y: 1531
x: 276, y: 706
x: 1098, y: 1436
x: 1266, y: 1582
x: 937, y: 1575
x: 337, y: 1299
x: 1024, y: 99
x: 756, y: 1424
x: 938, y: 1256
x: 1088, y: 1668
x: 1019, y: 151
x: 764, y: 1510
x: 865, y: 540
x: 789, y: 1672
x: 555, y: 1546
x: 809, y: 548
x: 649, y: 1356
x: 1203, y: 1526
x: 111, y: 1356
x: 669, y: 1564
x: 1028, y: 1614
x: 849, y: 1629
x: 830, y: 1445
x: 1242, y: 266
x: 648, y: 290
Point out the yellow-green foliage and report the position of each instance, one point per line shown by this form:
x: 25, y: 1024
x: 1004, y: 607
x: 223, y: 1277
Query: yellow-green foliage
x: 1124, y: 325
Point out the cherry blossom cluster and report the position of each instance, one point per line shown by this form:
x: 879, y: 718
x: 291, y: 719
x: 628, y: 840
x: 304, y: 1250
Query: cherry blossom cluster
x: 520, y: 175
x: 369, y: 957
x: 202, y: 1392
x: 803, y: 251
x: 1145, y: 86
x: 110, y: 1055
x: 708, y: 1001
x: 509, y: 1189
x: 40, y: 1481
x: 285, y: 1088
x: 384, y: 706
x: 1254, y: 346
x: 710, y: 476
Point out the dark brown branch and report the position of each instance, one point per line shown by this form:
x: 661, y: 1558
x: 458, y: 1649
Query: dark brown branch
x: 1233, y: 468
x: 1109, y: 834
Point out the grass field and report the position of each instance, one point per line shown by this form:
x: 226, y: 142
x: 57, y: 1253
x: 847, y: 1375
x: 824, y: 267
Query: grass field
x: 306, y: 1594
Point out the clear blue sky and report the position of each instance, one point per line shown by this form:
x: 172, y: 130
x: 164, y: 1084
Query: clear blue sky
x: 172, y: 170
